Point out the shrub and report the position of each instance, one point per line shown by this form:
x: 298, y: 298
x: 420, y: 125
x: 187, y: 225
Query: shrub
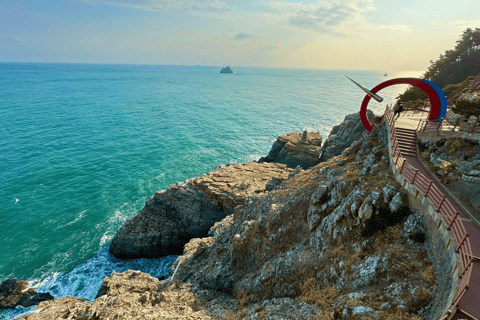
x: 449, y: 88
x: 414, y: 304
x: 467, y: 107
x: 385, y: 218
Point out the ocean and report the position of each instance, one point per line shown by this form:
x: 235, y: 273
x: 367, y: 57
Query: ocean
x: 83, y: 146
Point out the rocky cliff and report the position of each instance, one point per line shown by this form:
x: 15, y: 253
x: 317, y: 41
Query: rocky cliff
x: 187, y: 210
x: 296, y: 149
x: 14, y: 292
x: 343, y: 135
x: 337, y: 240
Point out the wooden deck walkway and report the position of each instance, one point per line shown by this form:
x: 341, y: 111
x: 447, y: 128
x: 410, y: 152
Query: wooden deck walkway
x: 466, y: 233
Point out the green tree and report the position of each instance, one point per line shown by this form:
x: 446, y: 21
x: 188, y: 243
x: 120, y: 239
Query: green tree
x: 452, y: 67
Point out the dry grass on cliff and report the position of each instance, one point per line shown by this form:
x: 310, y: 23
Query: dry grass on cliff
x: 311, y: 293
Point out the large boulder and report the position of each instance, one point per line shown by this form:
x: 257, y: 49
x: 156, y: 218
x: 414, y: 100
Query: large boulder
x: 187, y: 210
x: 295, y: 149
x: 14, y: 292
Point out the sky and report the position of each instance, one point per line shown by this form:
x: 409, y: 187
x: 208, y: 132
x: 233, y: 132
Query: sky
x: 324, y: 34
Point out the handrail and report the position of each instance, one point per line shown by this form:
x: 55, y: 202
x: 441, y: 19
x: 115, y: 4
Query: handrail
x: 462, y: 124
x: 443, y: 204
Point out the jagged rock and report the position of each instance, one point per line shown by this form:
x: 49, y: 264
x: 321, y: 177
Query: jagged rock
x: 388, y: 193
x: 356, y: 247
x: 364, y: 171
x: 343, y: 135
x: 293, y: 150
x: 396, y: 292
x: 316, y: 239
x: 359, y: 294
x: 220, y: 227
x: 467, y: 168
x: 284, y: 308
x: 272, y: 184
x: 436, y: 160
x: 383, y: 137
x: 396, y: 202
x: 286, y: 289
x: 414, y: 227
x: 298, y: 169
x: 366, y: 209
x: 226, y: 69
x: 358, y: 159
x: 187, y: 210
x: 470, y: 179
x: 364, y: 310
x: 14, y: 292
x: 368, y: 270
x: 127, y: 295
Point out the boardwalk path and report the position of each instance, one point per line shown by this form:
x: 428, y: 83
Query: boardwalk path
x: 466, y: 233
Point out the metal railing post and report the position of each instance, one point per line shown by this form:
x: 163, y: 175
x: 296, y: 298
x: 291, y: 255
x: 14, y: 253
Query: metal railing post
x: 440, y: 206
x: 403, y: 163
x: 439, y: 124
x: 413, y: 180
x: 429, y: 186
x: 453, y: 220
x: 474, y: 125
x: 456, y: 123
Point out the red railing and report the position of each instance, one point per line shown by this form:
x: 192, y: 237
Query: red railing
x: 444, y: 206
x: 461, y: 124
x: 472, y: 84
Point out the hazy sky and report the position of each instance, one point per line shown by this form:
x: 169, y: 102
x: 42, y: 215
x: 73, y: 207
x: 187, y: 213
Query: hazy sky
x: 335, y: 34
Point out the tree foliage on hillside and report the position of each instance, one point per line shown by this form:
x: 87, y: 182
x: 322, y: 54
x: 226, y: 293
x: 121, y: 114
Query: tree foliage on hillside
x: 467, y: 108
x: 456, y: 65
x: 452, y: 67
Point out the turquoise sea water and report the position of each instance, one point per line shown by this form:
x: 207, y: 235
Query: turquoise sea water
x: 82, y: 147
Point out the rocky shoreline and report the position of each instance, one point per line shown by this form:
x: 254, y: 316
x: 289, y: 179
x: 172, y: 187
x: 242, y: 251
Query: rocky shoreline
x: 308, y: 232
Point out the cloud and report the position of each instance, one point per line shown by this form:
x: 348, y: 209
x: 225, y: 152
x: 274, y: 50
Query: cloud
x: 10, y: 39
x: 162, y: 5
x: 325, y: 16
x: 466, y: 23
x: 336, y: 17
x: 396, y: 27
x: 242, y: 35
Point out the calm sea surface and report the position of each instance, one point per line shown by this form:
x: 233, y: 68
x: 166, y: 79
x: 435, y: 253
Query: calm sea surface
x: 82, y: 147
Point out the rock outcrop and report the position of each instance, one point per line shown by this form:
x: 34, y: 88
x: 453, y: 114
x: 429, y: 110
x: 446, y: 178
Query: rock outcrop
x: 187, y: 210
x: 296, y: 149
x: 14, y: 292
x: 343, y: 135
x: 127, y: 295
x: 226, y: 69
x: 456, y: 162
x: 322, y: 244
x: 309, y: 240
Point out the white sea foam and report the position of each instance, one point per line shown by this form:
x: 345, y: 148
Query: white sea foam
x: 78, y: 216
x: 85, y: 279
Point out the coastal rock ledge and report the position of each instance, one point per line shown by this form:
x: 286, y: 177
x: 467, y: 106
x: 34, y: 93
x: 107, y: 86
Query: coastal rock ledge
x: 296, y: 149
x: 14, y: 292
x: 188, y: 209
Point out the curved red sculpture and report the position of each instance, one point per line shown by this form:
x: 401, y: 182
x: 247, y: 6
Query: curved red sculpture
x: 432, y: 94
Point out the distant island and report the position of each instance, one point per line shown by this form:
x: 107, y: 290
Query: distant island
x: 226, y: 70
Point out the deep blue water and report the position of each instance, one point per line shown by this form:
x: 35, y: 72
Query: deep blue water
x: 82, y: 147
